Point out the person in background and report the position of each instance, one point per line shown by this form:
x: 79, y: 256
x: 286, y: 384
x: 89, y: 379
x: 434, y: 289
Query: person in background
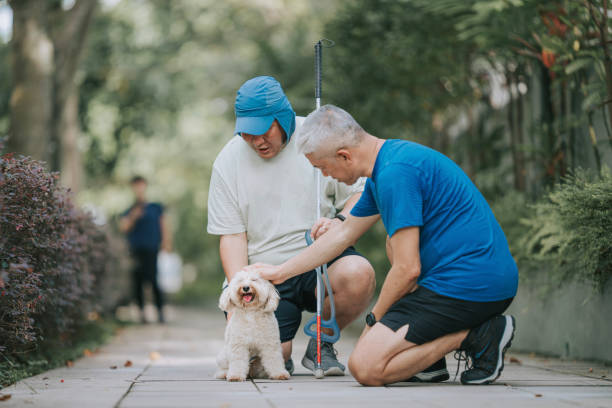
x: 146, y: 231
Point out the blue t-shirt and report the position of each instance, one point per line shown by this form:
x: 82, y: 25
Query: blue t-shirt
x: 146, y: 232
x: 464, y: 252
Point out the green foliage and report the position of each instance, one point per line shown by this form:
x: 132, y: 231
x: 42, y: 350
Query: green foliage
x: 158, y: 85
x: 158, y: 79
x: 407, y: 61
x: 57, y: 267
x: 566, y: 235
x: 571, y: 231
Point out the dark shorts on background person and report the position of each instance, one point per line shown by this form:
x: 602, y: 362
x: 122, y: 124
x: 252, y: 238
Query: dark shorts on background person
x: 298, y: 294
x: 430, y: 316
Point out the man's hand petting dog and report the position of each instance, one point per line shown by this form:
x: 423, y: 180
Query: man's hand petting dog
x: 323, y: 225
x: 252, y: 341
x: 272, y: 273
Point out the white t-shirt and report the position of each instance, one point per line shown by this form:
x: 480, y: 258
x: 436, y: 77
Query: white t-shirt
x: 273, y: 200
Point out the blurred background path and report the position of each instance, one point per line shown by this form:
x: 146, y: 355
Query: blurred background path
x: 172, y: 366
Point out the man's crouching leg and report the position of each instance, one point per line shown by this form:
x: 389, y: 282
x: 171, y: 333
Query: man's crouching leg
x: 352, y: 281
x: 383, y: 356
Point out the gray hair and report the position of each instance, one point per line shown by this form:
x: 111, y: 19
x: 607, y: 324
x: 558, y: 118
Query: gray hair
x: 326, y: 130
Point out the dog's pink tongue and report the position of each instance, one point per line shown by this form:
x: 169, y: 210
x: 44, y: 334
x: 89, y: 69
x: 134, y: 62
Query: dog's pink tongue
x: 248, y: 298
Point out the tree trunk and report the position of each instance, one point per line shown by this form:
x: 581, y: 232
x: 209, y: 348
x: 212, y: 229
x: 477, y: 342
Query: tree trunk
x: 69, y: 39
x: 548, y: 118
x: 512, y: 131
x: 70, y: 157
x: 47, y: 44
x: 607, y: 58
x: 515, y: 126
x: 31, y: 97
x: 521, y: 184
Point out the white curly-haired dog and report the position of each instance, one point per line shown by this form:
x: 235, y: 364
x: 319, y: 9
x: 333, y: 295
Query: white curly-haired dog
x: 252, y: 341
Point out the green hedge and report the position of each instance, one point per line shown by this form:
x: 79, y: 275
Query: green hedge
x: 58, y: 269
x: 567, y: 234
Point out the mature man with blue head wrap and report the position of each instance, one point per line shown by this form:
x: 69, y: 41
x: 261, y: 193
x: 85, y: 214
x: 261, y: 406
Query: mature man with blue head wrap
x: 262, y: 199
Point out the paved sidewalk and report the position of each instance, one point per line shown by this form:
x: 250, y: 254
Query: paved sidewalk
x: 172, y: 366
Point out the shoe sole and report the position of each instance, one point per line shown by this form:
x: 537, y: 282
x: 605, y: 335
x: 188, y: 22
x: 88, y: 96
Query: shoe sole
x: 504, y: 345
x: 430, y: 377
x: 330, y: 372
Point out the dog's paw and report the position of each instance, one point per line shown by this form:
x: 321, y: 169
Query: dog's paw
x: 235, y: 377
x: 283, y: 375
x: 220, y: 375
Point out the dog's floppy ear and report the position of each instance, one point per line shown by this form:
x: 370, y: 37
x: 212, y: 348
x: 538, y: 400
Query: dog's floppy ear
x: 225, y: 301
x: 273, y: 299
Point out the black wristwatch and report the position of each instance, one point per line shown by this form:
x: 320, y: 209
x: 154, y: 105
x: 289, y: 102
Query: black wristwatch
x: 340, y: 217
x: 370, y: 319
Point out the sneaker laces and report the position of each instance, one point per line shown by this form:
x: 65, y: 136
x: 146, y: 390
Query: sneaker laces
x: 329, y: 348
x: 462, y: 355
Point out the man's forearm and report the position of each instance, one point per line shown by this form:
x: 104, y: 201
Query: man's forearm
x: 399, y: 281
x: 126, y: 223
x: 323, y: 250
x: 233, y: 251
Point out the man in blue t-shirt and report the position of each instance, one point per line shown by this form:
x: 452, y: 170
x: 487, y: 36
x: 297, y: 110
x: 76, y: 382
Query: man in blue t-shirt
x: 146, y: 231
x: 452, y: 275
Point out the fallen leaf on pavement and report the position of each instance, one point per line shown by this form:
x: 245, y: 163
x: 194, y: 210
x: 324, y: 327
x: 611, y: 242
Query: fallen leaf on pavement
x: 515, y: 360
x: 45, y: 378
x: 4, y: 397
x: 128, y: 364
x: 69, y: 363
x: 538, y: 395
x: 87, y: 353
x: 113, y: 367
x: 154, y: 355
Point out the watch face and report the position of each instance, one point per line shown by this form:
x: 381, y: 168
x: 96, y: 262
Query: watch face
x: 370, y: 319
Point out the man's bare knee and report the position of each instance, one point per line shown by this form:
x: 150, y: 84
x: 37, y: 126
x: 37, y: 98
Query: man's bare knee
x: 365, y: 372
x: 353, y: 274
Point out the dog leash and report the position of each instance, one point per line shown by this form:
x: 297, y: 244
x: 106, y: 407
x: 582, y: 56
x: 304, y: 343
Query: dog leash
x: 323, y: 284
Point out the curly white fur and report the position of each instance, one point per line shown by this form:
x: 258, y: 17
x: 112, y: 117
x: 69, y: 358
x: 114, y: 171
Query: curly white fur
x: 252, y: 330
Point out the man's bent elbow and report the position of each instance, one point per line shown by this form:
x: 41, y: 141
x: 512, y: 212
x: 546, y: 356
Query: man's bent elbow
x: 410, y: 272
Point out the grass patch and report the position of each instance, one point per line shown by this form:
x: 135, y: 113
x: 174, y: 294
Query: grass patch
x: 53, y: 354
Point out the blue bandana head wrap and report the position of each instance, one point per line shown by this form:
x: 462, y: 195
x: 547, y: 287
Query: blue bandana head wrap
x: 259, y: 101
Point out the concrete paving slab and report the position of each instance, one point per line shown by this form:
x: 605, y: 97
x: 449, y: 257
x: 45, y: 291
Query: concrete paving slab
x: 173, y: 366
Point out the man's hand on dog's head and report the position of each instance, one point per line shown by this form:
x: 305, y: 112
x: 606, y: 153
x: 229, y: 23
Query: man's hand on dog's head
x: 269, y: 272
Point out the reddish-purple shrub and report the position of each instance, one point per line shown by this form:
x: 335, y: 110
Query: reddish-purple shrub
x: 52, y: 257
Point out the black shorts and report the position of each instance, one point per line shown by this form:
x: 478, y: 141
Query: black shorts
x: 430, y: 316
x: 298, y: 294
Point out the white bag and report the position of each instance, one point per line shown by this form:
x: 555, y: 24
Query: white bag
x: 169, y: 271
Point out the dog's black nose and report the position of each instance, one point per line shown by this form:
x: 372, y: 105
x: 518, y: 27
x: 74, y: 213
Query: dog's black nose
x: 245, y: 288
